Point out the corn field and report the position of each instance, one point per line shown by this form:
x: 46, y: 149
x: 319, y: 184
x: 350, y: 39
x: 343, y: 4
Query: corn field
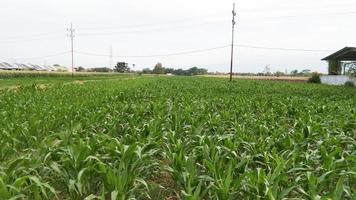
x: 44, y: 74
x: 178, y: 138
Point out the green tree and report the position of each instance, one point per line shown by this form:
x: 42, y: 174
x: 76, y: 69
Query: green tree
x: 196, y: 71
x: 202, y: 71
x: 80, y: 69
x: 294, y: 72
x: 193, y: 71
x: 168, y: 70
x: 146, y: 71
x: 315, y: 78
x: 101, y: 69
x: 122, y: 67
x: 267, y: 70
x: 279, y: 73
x: 158, y: 69
x: 306, y: 72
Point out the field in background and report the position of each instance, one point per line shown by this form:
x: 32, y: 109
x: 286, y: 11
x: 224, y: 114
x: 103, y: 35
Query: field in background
x: 177, y: 138
x: 27, y: 74
x: 271, y: 78
x: 15, y: 79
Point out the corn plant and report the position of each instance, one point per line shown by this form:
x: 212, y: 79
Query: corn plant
x: 176, y: 138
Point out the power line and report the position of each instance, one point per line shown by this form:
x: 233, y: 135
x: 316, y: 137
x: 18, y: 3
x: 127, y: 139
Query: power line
x: 299, y: 8
x: 207, y: 15
x: 43, y: 36
x: 157, y: 55
x: 177, y: 54
x: 323, y: 14
x: 182, y: 20
x: 289, y: 17
x: 39, y: 36
x: 138, y: 25
x: 40, y: 57
x: 29, y: 40
x: 204, y: 50
x: 171, y: 28
x: 283, y: 49
x: 213, y: 22
x: 36, y: 35
x: 119, y: 32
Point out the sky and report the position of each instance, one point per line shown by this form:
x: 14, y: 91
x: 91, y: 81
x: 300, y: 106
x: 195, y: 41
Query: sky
x: 146, y: 32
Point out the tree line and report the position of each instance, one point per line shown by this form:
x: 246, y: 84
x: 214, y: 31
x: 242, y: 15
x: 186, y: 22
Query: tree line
x: 159, y: 69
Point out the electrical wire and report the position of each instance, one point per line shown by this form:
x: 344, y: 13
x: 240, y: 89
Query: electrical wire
x: 204, y: 50
x: 40, y: 36
x: 174, y: 54
x: 213, y: 15
x: 158, y: 55
x: 29, y: 40
x: 36, y: 35
x: 171, y: 28
x: 288, y: 17
x: 282, y: 49
x: 137, y: 25
x: 40, y: 57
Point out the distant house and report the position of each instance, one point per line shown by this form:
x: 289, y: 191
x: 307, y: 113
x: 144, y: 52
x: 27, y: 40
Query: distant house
x: 338, y: 61
x: 8, y: 66
x: 3, y: 66
x: 338, y: 66
x: 32, y: 67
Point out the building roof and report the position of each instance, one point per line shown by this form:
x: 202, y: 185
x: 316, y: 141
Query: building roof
x: 20, y: 66
x: 3, y: 66
x: 345, y: 54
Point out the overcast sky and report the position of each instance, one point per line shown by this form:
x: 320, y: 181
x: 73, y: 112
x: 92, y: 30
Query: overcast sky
x: 32, y: 29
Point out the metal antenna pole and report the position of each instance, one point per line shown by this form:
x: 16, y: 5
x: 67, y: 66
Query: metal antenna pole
x: 110, y: 59
x: 232, y: 41
x: 71, y: 35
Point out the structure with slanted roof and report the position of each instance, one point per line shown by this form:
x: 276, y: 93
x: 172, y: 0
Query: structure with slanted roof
x: 339, y: 65
x: 339, y: 60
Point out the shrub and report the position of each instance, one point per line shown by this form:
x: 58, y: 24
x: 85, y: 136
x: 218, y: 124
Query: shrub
x: 315, y: 78
x: 350, y: 84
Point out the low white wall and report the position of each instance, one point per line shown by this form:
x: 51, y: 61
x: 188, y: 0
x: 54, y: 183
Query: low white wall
x: 336, y: 79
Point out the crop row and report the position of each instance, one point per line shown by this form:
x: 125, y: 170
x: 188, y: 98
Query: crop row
x: 36, y: 74
x: 178, y: 138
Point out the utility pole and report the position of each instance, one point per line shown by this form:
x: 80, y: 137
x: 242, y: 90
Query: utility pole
x: 232, y: 41
x: 71, y: 35
x: 110, y: 58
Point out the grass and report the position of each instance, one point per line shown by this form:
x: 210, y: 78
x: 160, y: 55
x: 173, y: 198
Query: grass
x: 299, y: 79
x: 23, y: 81
x: 177, y: 138
x: 6, y: 74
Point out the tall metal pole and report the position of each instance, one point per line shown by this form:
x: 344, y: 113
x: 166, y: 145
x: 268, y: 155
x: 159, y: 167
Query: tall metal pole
x: 71, y: 35
x: 110, y: 58
x: 232, y: 41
